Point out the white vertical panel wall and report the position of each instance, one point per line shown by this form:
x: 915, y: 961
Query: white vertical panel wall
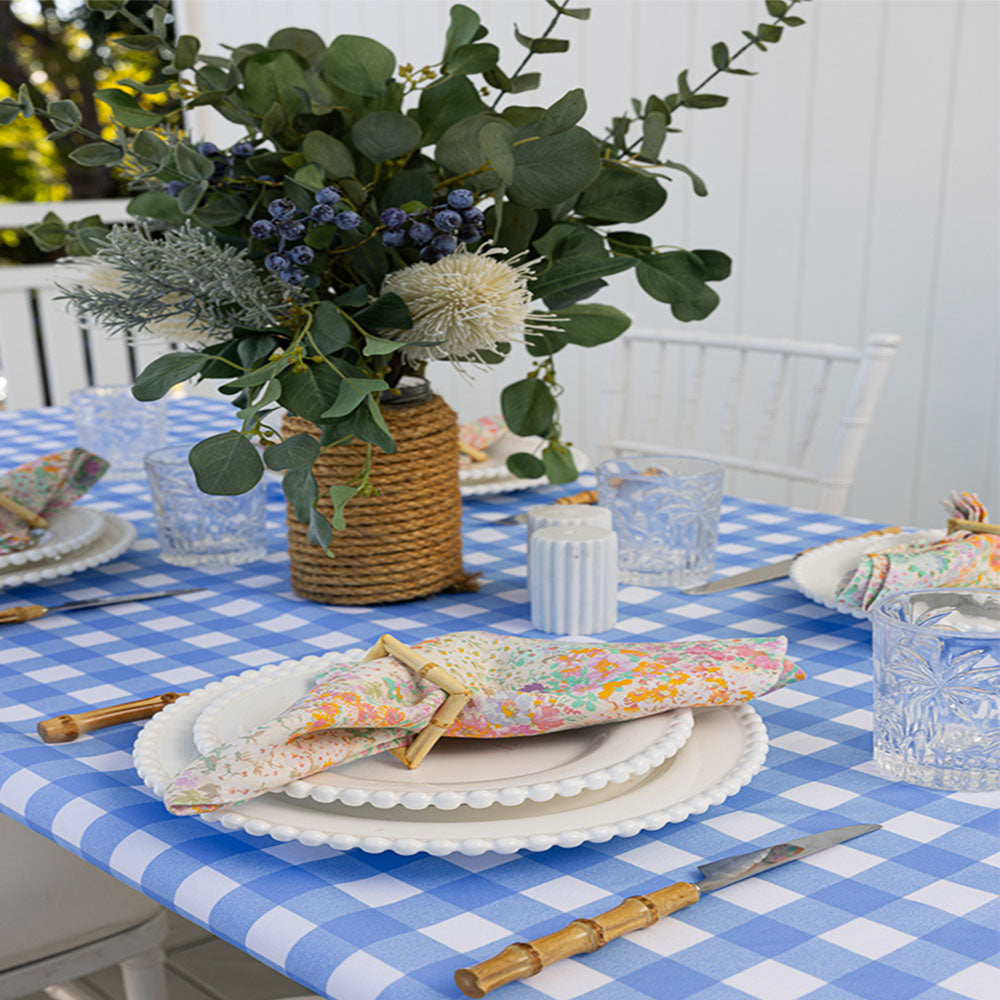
x: 853, y: 181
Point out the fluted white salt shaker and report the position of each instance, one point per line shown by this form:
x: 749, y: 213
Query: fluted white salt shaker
x: 552, y: 514
x: 573, y: 585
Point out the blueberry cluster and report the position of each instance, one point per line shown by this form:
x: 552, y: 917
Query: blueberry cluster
x: 289, y: 226
x: 223, y: 167
x: 436, y: 230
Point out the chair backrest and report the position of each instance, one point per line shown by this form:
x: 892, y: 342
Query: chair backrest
x: 46, y: 351
x: 783, y: 409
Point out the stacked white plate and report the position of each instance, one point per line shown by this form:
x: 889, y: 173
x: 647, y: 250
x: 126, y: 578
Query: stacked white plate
x: 468, y: 796
x: 493, y: 476
x: 76, y: 539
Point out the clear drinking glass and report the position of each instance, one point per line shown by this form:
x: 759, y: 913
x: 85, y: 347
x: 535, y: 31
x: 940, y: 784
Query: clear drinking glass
x: 666, y: 515
x: 112, y: 423
x: 197, y: 529
x: 937, y: 688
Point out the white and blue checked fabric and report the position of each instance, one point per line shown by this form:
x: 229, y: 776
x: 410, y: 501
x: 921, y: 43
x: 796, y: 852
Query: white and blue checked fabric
x: 908, y: 911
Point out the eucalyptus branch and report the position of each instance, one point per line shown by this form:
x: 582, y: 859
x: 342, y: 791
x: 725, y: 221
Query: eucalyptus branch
x: 531, y: 52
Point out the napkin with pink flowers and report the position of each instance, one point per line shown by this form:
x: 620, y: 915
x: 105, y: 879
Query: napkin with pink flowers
x: 480, y: 434
x: 521, y: 687
x: 960, y: 559
x: 45, y: 485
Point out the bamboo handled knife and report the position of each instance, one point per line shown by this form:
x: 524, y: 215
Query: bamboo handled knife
x: 518, y: 961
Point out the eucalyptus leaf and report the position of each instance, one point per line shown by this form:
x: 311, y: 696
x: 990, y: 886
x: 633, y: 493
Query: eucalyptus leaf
x: 49, y: 234
x: 358, y: 65
x: 97, y: 154
x: 226, y: 464
x: 126, y: 108
x: 330, y: 331
x: 580, y: 13
x: 541, y: 44
x: 621, y: 194
x: 156, y: 205
x: 301, y: 491
x: 463, y: 28
x: 479, y: 57
x: 558, y: 463
x: 379, y: 346
x: 190, y: 197
x: 528, y: 407
x: 388, y: 311
x: 340, y: 496
x: 524, y: 465
x: 445, y: 102
x: 654, y: 133
x: 64, y: 114
x: 307, y: 393
x: 186, y: 51
x: 320, y: 531
x: 496, y: 146
x: 385, y: 135
x: 192, y: 165
x: 696, y: 182
x: 150, y: 147
x: 292, y: 453
x: 678, y: 278
x: 331, y: 154
x: 303, y: 42
x: 564, y: 114
x: 591, y: 324
x: 552, y: 168
x: 352, y: 393
x: 163, y: 373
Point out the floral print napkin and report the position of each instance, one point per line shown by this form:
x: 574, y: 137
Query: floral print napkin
x: 961, y: 559
x: 47, y: 484
x: 480, y: 434
x: 521, y: 687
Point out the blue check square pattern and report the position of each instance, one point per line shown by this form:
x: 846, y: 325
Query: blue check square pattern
x: 908, y: 911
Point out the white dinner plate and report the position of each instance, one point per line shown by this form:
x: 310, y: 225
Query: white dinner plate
x: 726, y: 749
x: 492, y: 476
x: 116, y: 536
x: 477, y: 773
x: 68, y: 530
x: 820, y: 573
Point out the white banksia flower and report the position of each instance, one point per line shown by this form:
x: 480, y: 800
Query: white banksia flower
x: 464, y: 303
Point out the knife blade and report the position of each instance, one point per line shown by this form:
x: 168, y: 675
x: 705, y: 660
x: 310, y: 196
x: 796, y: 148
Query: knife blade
x: 774, y: 570
x: 518, y: 961
x: 28, y: 612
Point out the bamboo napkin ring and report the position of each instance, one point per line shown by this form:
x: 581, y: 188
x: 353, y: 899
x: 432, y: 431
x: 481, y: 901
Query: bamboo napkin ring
x: 458, y: 695
x: 977, y: 527
x: 19, y: 510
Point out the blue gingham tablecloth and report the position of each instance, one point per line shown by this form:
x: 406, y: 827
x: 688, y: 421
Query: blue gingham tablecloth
x: 908, y: 911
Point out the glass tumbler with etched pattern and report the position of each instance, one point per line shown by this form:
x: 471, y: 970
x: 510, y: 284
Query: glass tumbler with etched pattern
x: 112, y: 423
x: 937, y: 688
x: 665, y: 511
x: 198, y: 529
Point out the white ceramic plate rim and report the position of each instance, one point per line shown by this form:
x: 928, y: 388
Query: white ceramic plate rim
x: 674, y: 732
x: 68, y: 530
x: 117, y: 535
x: 480, y: 480
x: 817, y: 573
x: 643, y: 805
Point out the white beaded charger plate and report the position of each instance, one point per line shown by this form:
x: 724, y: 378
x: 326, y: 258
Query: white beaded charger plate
x: 492, y: 476
x: 475, y: 773
x: 820, y: 573
x: 115, y: 537
x: 68, y: 530
x: 726, y: 749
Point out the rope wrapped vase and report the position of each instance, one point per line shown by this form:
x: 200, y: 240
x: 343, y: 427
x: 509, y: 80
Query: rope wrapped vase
x: 406, y: 541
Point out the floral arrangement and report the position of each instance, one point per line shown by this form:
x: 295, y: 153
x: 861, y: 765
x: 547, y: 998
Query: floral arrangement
x: 373, y: 217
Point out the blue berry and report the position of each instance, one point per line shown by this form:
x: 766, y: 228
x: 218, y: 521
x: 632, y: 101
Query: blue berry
x: 302, y: 255
x: 347, y: 220
x: 220, y: 167
x: 447, y: 220
x: 263, y: 230
x: 322, y: 213
x: 393, y: 238
x: 243, y: 150
x: 445, y: 243
x: 394, y: 218
x: 282, y: 208
x: 469, y: 233
x: 293, y: 276
x: 174, y: 188
x: 207, y: 148
x: 421, y: 233
x: 473, y: 216
x: 267, y: 177
x: 461, y: 198
x: 429, y: 255
x: 327, y: 196
x: 276, y: 262
x: 292, y: 230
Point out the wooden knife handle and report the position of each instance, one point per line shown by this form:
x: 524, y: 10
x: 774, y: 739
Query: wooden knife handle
x: 518, y: 961
x: 587, y: 496
x: 23, y: 613
x: 65, y: 728
x: 30, y: 517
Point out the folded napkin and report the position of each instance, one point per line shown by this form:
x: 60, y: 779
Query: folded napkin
x: 47, y: 484
x: 960, y: 559
x: 480, y: 434
x: 521, y: 687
